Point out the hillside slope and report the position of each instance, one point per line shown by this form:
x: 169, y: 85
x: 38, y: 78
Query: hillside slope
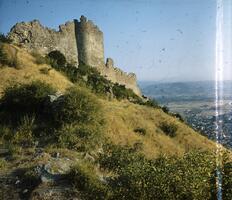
x: 27, y: 70
x: 122, y: 117
x: 89, y: 145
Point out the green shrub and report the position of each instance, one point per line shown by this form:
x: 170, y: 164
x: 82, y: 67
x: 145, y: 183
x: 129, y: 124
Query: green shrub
x: 168, y: 128
x: 189, y: 177
x: 79, y: 120
x: 121, y: 92
x: 24, y: 133
x: 85, y: 180
x: 178, y: 116
x: 141, y: 131
x: 14, y: 150
x: 99, y: 84
x: 165, y: 109
x: 226, y: 171
x: 24, y: 99
x: 92, y: 78
x: 3, y: 163
x: 6, y: 134
x: 151, y: 103
x: 72, y: 73
x: 4, y: 39
x: 77, y: 105
x: 80, y: 137
x: 57, y: 59
x: 116, y: 157
x: 84, y: 69
x: 39, y: 59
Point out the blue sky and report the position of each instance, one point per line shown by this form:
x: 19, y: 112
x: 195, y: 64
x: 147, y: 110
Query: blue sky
x: 169, y: 40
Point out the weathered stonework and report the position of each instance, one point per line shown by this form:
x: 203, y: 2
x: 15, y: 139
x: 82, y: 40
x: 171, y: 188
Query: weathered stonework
x: 79, y: 41
x: 33, y: 36
x: 116, y: 75
x: 89, y: 43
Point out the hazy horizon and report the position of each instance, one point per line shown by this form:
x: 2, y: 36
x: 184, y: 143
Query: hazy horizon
x: 160, y: 40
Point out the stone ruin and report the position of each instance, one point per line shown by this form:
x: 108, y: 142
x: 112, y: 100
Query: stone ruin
x: 79, y: 41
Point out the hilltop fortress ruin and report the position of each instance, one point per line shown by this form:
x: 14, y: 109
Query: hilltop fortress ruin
x: 79, y: 41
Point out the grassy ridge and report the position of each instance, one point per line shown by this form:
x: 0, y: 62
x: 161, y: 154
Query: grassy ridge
x: 136, y: 149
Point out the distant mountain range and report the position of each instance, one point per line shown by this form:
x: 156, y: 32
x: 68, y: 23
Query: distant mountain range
x: 184, y: 91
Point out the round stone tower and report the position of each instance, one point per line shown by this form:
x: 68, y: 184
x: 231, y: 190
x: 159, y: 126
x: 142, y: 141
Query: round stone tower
x: 89, y: 43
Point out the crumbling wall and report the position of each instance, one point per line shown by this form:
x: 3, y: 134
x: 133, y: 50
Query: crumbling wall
x: 116, y: 75
x: 79, y: 41
x: 89, y: 43
x: 33, y: 36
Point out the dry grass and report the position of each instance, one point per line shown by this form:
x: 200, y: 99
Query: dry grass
x: 123, y: 117
x: 27, y: 71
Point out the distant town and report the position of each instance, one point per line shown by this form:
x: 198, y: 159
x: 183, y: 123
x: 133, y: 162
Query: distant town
x: 195, y: 101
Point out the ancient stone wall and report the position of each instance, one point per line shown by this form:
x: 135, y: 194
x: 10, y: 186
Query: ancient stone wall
x: 89, y: 43
x: 116, y: 75
x: 33, y: 36
x: 79, y: 41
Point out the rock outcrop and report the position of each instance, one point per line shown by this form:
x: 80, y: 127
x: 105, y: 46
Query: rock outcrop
x: 79, y: 41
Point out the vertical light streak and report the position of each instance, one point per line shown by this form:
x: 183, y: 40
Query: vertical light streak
x: 219, y: 93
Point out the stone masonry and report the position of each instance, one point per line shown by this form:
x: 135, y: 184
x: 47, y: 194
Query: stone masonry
x: 79, y: 41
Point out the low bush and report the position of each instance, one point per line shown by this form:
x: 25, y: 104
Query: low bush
x: 141, y: 131
x: 121, y: 92
x: 86, y: 181
x: 81, y: 137
x: 74, y: 119
x: 116, y: 157
x: 178, y: 116
x: 3, y: 163
x: 24, y: 99
x: 6, y: 134
x: 166, y: 178
x: 98, y: 83
x: 227, y: 181
x: 91, y: 77
x: 151, y: 103
x: 165, y: 109
x: 168, y: 128
x: 39, y: 59
x: 4, y: 39
x: 57, y: 59
x: 88, y: 75
x: 189, y: 177
x: 76, y: 105
x: 24, y: 133
x: 78, y: 118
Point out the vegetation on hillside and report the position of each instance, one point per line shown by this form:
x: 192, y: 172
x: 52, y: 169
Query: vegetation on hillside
x: 191, y: 177
x: 89, y: 77
x: 4, y: 39
x: 10, y: 59
x: 34, y: 115
x: 31, y: 112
